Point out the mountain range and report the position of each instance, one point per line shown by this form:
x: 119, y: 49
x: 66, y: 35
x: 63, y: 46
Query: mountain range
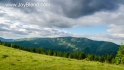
x: 6, y: 40
x: 68, y: 44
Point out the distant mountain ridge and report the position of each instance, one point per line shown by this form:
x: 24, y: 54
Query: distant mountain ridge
x: 69, y: 44
x: 6, y: 40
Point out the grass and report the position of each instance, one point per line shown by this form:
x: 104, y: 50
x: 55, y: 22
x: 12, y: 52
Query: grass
x: 14, y: 59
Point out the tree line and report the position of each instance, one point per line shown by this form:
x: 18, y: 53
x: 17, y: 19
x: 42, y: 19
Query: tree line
x: 108, y: 58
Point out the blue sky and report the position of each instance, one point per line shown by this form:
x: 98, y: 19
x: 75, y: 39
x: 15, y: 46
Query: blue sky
x: 95, y: 19
x: 100, y: 29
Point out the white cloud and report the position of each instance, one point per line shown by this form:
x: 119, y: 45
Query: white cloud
x: 48, y: 21
x: 28, y: 30
x: 116, y: 38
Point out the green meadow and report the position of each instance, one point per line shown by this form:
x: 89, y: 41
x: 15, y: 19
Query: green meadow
x: 15, y: 59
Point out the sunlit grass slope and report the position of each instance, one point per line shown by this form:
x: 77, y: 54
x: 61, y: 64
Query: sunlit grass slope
x: 14, y: 59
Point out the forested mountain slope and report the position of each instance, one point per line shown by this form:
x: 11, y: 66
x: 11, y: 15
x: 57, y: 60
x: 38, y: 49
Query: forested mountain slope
x: 70, y: 44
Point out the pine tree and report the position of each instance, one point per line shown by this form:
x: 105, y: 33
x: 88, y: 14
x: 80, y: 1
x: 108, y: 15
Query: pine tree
x: 90, y: 57
x: 65, y: 54
x: 120, y: 55
x: 50, y: 52
x: 59, y: 54
x: 96, y: 58
x: 81, y: 55
x: 71, y: 56
x: 54, y: 53
x: 0, y: 42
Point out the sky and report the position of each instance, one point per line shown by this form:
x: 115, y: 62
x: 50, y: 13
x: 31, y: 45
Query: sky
x: 94, y: 19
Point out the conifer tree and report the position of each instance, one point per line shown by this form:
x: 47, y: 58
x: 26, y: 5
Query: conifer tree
x: 120, y: 55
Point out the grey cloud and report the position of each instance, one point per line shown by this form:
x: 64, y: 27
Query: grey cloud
x: 62, y: 13
x: 79, y: 8
x: 11, y: 1
x: 104, y: 37
x: 60, y: 22
x: 2, y: 14
x: 118, y: 20
x: 24, y: 9
x: 20, y: 32
x: 72, y: 8
x: 35, y: 30
x: 116, y: 29
x: 4, y: 27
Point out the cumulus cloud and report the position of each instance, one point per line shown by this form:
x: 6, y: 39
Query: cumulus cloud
x: 116, y: 38
x: 76, y: 9
x: 49, y: 20
x: 63, y: 14
x: 33, y: 30
x: 72, y: 8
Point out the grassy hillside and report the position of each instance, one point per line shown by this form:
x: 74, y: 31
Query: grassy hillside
x: 14, y: 59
